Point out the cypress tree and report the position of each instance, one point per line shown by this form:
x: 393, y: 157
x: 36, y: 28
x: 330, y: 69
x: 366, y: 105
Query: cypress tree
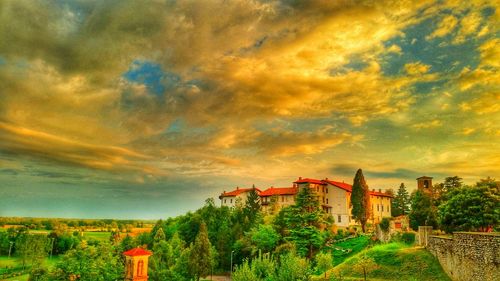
x: 360, y: 199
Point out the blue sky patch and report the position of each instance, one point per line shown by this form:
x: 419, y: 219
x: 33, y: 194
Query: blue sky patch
x: 442, y: 55
x: 152, y: 76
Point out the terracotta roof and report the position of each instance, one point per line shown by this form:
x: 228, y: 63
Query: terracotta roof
x: 238, y: 191
x: 424, y: 177
x: 279, y: 191
x: 308, y: 180
x: 137, y: 252
x: 345, y: 186
x: 376, y: 193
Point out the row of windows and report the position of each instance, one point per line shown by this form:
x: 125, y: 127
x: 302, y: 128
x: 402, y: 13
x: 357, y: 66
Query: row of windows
x: 230, y: 202
x: 323, y: 189
x: 381, y: 208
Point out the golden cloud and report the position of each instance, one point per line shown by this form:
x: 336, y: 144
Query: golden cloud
x: 446, y: 26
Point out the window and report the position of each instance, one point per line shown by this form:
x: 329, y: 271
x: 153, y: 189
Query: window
x: 382, y: 208
x: 339, y: 218
x: 326, y: 200
x: 323, y: 199
x: 224, y: 201
x: 323, y: 189
x: 317, y: 188
x: 282, y: 198
x: 231, y: 201
x: 378, y: 209
x: 327, y: 190
x: 140, y: 265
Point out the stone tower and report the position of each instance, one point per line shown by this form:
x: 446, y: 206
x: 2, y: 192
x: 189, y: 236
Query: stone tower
x: 136, y: 264
x: 425, y: 184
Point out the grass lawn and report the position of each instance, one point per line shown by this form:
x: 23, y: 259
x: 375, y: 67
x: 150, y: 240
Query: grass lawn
x: 393, y: 261
x: 355, y: 245
x: 100, y: 236
x: 15, y: 264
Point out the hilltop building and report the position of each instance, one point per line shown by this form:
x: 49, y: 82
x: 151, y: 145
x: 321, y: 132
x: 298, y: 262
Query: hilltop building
x: 240, y: 195
x: 333, y: 196
x: 136, y: 264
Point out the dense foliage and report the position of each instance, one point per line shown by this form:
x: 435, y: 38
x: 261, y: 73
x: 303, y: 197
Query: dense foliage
x: 422, y: 210
x: 470, y: 209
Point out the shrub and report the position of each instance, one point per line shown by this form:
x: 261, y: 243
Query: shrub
x: 408, y: 238
x: 384, y: 224
x: 244, y: 273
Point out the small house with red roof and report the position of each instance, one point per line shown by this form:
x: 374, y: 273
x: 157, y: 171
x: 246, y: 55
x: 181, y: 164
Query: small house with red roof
x: 136, y: 264
x: 237, y: 196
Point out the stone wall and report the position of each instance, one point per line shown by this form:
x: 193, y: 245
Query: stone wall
x: 468, y: 256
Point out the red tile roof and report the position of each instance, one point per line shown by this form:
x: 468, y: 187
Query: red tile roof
x: 137, y: 252
x: 308, y: 180
x: 376, y: 193
x: 279, y: 191
x: 347, y: 187
x: 238, y: 191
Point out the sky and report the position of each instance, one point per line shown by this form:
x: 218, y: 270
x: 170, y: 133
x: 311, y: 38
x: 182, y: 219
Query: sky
x: 143, y: 109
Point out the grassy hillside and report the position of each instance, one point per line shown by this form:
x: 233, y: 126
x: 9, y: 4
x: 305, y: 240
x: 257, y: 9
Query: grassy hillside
x: 394, y: 261
x: 350, y: 248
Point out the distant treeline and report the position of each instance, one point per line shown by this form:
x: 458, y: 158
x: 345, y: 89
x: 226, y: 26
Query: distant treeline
x: 52, y: 223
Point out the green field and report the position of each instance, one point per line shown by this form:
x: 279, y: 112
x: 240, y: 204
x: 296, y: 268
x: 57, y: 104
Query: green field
x: 100, y: 236
x: 393, y: 261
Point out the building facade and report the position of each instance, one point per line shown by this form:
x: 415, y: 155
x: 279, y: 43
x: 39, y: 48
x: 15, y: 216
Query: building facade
x: 237, y: 196
x: 334, y: 198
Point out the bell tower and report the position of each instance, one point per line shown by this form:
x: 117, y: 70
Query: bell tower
x: 425, y: 184
x: 136, y: 264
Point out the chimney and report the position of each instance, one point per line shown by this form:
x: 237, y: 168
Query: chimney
x: 326, y: 179
x: 300, y: 178
x: 373, y: 189
x: 380, y: 190
x: 237, y: 188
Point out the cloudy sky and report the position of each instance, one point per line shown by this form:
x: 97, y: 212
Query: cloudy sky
x: 142, y: 109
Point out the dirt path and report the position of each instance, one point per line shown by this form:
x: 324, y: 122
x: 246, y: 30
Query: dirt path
x: 218, y: 278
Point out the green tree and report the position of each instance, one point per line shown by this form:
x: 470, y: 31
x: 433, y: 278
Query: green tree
x: 401, y: 202
x: 244, y: 272
x: 200, y: 259
x: 470, y: 209
x: 360, y: 200
x: 32, y: 248
x: 422, y: 211
x: 303, y: 221
x: 160, y: 235
x: 292, y: 267
x: 324, y: 262
x: 451, y: 183
x: 90, y: 263
x: 490, y: 183
x: 4, y: 243
x: 252, y: 205
x: 265, y: 238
